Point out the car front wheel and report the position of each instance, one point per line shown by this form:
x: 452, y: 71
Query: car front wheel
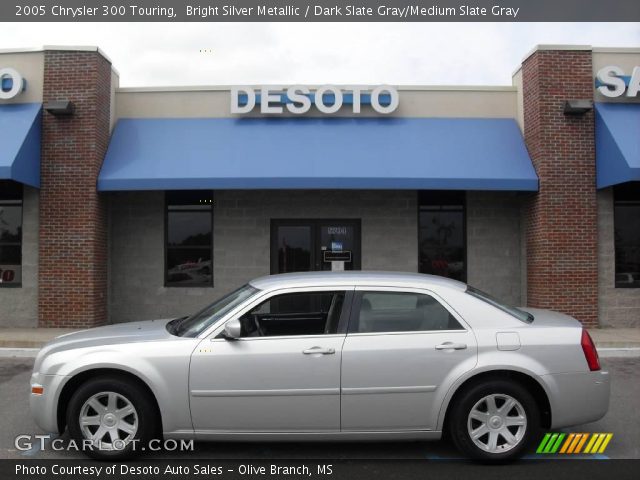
x: 111, y: 418
x: 495, y: 421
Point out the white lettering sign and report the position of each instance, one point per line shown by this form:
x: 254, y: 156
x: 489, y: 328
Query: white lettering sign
x: 612, y: 83
x: 327, y: 99
x: 17, y: 83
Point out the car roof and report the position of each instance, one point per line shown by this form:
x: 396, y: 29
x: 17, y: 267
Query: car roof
x: 355, y: 278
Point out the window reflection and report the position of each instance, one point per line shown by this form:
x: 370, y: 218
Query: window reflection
x: 10, y: 233
x: 627, y: 234
x: 189, y: 237
x: 441, y: 235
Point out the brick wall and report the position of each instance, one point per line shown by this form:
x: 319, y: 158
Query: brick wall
x: 561, y: 232
x: 73, y: 238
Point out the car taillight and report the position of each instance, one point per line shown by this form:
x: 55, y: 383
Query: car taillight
x: 590, y: 352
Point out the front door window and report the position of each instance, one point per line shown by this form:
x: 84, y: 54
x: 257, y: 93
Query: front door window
x: 308, y: 245
x: 293, y: 314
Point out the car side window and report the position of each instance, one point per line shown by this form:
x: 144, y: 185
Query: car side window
x: 401, y: 312
x: 307, y: 313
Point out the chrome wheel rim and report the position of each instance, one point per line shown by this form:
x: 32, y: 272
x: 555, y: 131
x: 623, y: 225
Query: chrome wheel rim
x: 109, y: 420
x: 497, y: 423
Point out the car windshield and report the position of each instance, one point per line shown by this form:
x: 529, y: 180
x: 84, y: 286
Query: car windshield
x: 516, y: 312
x: 195, y: 324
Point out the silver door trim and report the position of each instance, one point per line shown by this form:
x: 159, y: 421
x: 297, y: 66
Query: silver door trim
x: 278, y: 337
x: 384, y: 390
x: 286, y: 392
x: 405, y: 332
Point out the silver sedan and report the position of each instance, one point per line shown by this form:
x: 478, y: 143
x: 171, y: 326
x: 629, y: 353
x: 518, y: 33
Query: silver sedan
x: 326, y: 356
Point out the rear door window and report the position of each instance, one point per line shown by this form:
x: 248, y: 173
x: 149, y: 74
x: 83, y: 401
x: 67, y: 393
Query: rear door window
x: 381, y: 312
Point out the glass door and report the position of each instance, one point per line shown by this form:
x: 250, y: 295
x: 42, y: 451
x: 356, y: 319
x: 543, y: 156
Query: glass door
x: 307, y: 245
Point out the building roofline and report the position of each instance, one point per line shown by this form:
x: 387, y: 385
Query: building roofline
x: 628, y: 50
x: 62, y: 48
x: 546, y: 47
x: 215, y: 88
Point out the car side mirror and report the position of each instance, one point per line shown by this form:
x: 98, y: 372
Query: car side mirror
x: 232, y: 329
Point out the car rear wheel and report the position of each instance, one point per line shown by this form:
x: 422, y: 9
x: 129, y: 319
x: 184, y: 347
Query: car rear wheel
x: 495, y: 421
x: 111, y: 418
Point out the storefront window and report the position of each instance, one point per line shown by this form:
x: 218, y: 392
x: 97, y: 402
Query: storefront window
x: 626, y: 217
x: 441, y: 235
x: 10, y: 234
x: 189, y: 239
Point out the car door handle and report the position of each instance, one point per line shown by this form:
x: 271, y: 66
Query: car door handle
x: 451, y: 346
x: 320, y: 350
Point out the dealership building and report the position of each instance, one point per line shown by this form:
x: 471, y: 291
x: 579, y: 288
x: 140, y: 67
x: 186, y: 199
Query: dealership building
x: 121, y: 204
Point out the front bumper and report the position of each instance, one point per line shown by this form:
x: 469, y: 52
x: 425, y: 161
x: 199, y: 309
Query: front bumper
x: 578, y: 397
x: 44, y: 408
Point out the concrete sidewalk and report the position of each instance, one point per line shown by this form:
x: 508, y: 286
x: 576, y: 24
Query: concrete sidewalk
x: 605, y: 338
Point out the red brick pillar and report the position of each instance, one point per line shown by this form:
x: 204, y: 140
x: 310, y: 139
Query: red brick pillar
x: 562, y: 263
x: 73, y: 233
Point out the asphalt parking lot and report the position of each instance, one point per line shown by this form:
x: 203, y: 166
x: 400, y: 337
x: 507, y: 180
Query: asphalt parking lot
x: 623, y: 420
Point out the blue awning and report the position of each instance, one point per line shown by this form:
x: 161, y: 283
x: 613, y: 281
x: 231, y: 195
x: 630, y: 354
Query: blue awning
x: 317, y: 153
x: 20, y: 136
x: 617, y: 143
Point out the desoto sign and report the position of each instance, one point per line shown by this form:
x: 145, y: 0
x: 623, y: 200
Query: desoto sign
x: 11, y: 83
x: 612, y: 82
x: 327, y: 99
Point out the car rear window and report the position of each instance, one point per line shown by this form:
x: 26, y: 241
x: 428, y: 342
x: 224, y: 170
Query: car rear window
x: 521, y: 315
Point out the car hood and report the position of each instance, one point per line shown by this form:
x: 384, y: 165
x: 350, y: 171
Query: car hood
x: 132, y: 332
x: 549, y: 318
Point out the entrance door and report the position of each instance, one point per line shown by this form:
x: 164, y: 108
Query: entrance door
x: 308, y: 245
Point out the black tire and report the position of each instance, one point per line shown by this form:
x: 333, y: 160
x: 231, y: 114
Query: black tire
x: 145, y: 410
x: 459, y: 418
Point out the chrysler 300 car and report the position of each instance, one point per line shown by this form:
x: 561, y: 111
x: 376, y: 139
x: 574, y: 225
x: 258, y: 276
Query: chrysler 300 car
x: 326, y: 356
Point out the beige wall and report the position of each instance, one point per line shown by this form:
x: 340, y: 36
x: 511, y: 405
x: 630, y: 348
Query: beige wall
x: 115, y: 83
x: 31, y: 66
x: 517, y: 83
x: 479, y: 102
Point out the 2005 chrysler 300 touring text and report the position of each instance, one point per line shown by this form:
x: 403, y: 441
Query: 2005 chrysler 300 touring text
x: 326, y: 356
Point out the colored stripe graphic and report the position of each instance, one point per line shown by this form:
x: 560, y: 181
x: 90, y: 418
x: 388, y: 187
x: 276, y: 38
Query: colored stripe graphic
x: 582, y: 440
x: 573, y: 443
x: 550, y: 443
x: 555, y: 447
x: 544, y: 441
x: 567, y: 442
x: 590, y: 444
x: 605, y: 443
